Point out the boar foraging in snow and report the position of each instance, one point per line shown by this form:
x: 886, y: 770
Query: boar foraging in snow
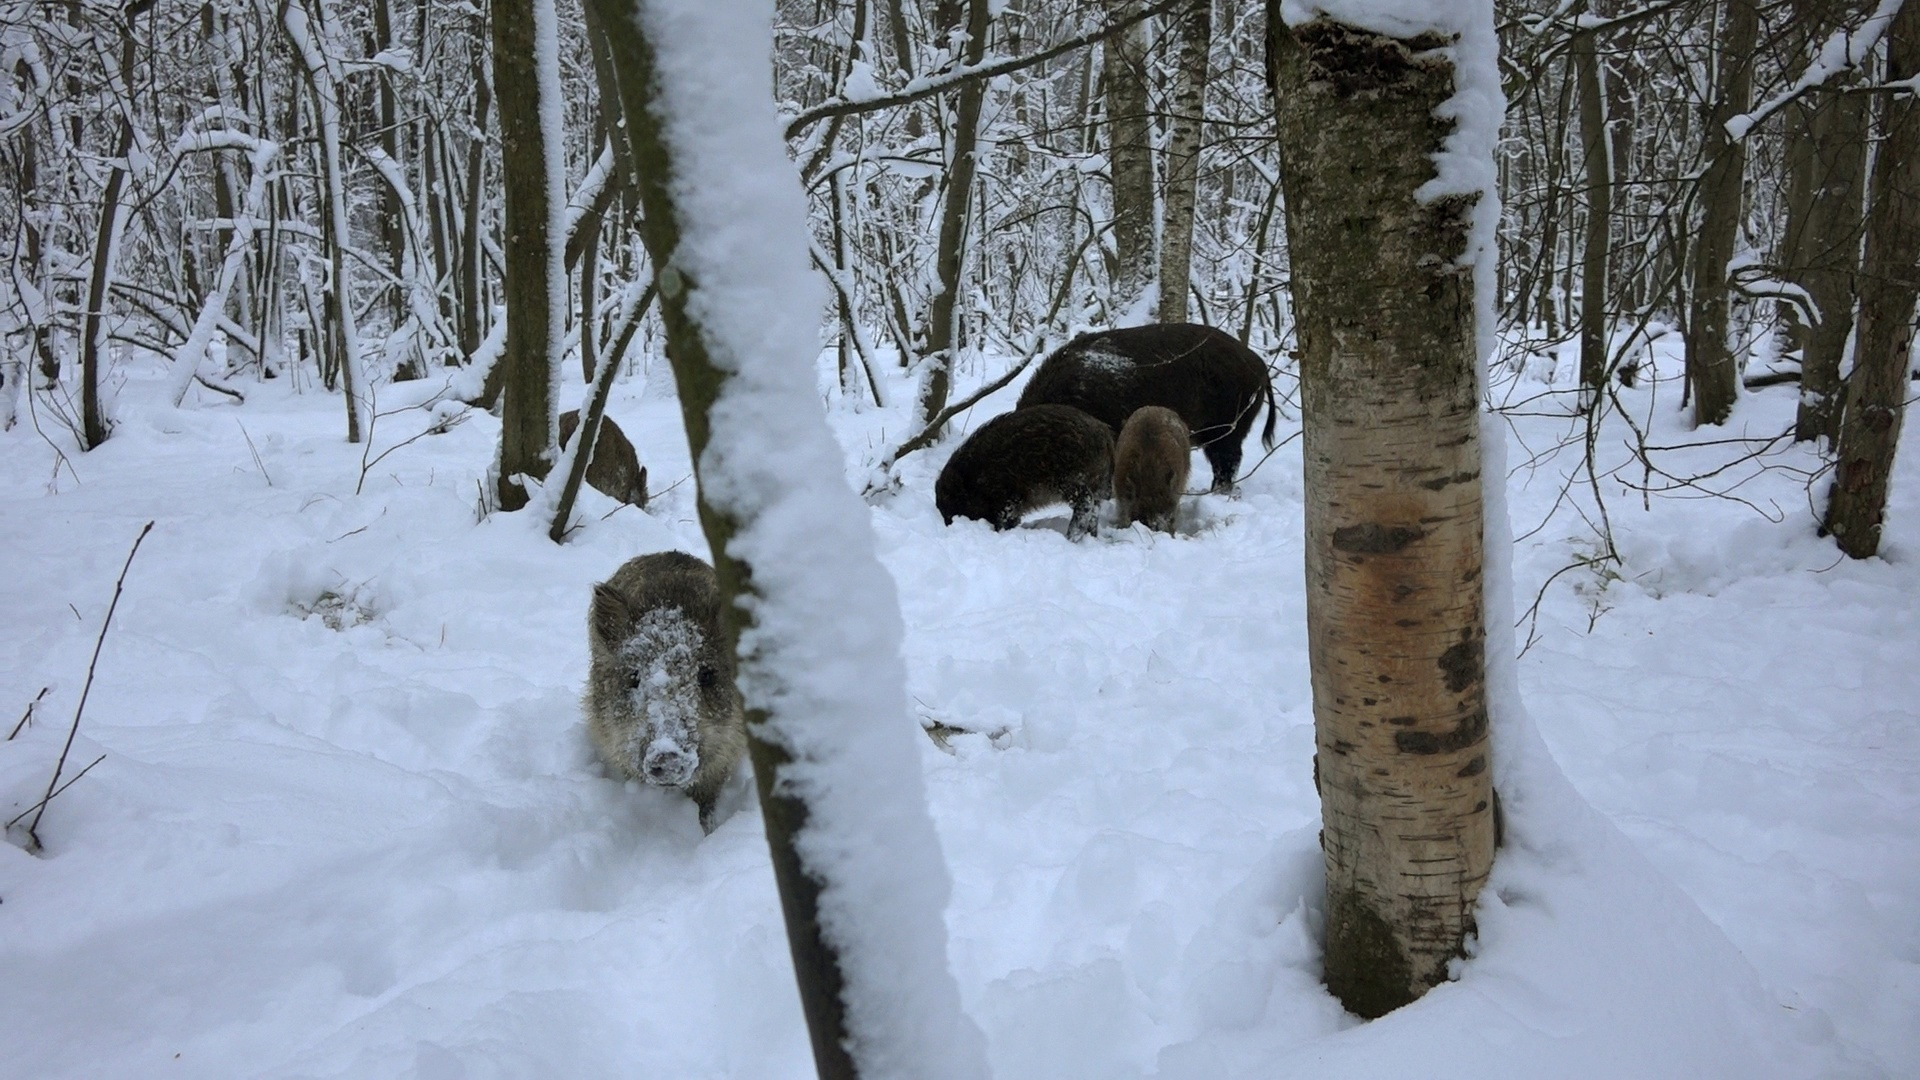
x: 1150, y: 463
x: 1211, y: 380
x: 1026, y: 459
x: 614, y: 470
x: 661, y: 702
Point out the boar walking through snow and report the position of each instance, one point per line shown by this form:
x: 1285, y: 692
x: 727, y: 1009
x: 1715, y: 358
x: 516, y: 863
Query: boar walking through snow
x: 1214, y: 382
x: 661, y: 703
x: 1027, y: 459
x: 1150, y: 463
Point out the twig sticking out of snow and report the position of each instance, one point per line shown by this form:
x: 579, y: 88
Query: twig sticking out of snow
x: 53, y: 785
x: 27, y: 717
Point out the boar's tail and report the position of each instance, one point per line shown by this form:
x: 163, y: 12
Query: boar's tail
x: 1273, y: 413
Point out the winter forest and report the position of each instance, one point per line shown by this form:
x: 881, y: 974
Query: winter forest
x: 1513, y: 678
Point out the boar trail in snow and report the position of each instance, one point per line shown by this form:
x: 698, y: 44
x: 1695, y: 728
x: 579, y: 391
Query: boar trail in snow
x: 1214, y: 382
x: 661, y: 703
x: 1026, y: 459
x: 614, y: 470
x: 1150, y: 463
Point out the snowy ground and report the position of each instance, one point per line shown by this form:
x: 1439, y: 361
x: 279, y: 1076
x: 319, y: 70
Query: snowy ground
x: 348, y: 823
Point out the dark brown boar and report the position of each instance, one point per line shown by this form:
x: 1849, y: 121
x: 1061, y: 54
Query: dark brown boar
x: 1214, y: 382
x: 1026, y: 459
x: 1150, y: 463
x: 661, y: 703
x: 615, y: 470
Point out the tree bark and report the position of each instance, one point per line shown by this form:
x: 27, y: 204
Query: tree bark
x: 1597, y: 249
x: 527, y: 363
x: 1889, y: 282
x: 1130, y: 160
x: 1390, y: 416
x: 1195, y: 34
x: 1713, y: 372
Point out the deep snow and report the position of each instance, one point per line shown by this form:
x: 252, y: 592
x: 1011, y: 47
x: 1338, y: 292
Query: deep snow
x: 349, y: 823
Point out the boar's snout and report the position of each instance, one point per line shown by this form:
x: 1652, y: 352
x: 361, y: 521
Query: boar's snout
x: 668, y: 765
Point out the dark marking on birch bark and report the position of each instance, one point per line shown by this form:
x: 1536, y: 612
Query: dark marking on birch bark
x: 1374, y: 539
x: 1466, y: 733
x: 1473, y: 768
x: 1461, y: 665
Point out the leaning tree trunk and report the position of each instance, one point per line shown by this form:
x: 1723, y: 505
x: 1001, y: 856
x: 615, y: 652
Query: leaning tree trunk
x: 1389, y: 409
x: 1889, y: 281
x: 1195, y: 35
x: 807, y: 607
x: 113, y: 218
x: 1713, y: 373
x: 524, y: 33
x: 1130, y: 158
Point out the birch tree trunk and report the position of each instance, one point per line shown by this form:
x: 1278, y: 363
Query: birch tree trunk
x: 1195, y: 33
x: 1889, y: 282
x: 534, y: 263
x: 1713, y: 373
x: 1130, y: 159
x: 1390, y: 416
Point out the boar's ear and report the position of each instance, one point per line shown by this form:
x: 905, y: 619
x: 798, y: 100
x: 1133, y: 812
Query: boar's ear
x: 610, y: 616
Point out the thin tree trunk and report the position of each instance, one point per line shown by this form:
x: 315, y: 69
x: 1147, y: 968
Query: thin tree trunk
x: 1130, y: 159
x: 1889, y: 282
x: 943, y: 312
x: 1596, y: 251
x: 113, y: 219
x: 1195, y: 30
x: 1390, y: 417
x: 343, y: 336
x: 1713, y: 372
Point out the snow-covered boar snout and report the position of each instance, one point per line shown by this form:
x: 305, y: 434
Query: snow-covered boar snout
x: 661, y: 702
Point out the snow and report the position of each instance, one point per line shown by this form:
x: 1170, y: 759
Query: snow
x: 387, y: 848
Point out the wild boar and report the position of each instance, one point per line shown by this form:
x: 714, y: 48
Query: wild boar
x: 614, y: 470
x: 1211, y: 380
x: 1150, y: 463
x: 661, y: 703
x: 1027, y: 459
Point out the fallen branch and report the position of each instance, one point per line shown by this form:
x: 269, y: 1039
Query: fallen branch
x: 53, y: 785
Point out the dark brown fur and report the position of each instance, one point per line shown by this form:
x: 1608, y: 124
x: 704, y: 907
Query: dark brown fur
x: 1150, y: 463
x: 615, y: 470
x: 1211, y: 380
x: 1026, y: 459
x: 661, y: 703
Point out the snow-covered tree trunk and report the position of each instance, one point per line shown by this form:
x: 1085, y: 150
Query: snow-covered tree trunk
x: 526, y: 72
x: 810, y: 610
x: 1713, y: 372
x: 1130, y: 162
x: 1383, y: 284
x: 311, y: 38
x: 1877, y: 389
x: 1194, y: 32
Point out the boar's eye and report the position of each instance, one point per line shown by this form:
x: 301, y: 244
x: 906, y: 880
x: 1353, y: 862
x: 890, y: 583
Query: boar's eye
x: 708, y: 678
x: 633, y: 680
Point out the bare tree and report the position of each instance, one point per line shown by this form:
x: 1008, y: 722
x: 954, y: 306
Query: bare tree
x: 1194, y: 34
x: 1130, y: 160
x: 1713, y: 372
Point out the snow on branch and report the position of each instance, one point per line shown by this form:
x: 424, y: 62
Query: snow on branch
x: 1841, y: 53
x: 856, y: 96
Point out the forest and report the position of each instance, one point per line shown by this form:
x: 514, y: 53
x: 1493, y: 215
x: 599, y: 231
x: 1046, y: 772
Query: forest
x: 348, y: 349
